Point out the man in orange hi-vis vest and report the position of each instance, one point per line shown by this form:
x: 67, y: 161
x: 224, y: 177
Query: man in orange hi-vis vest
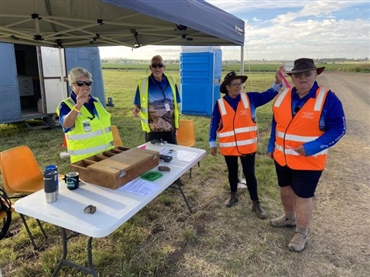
x: 234, y: 122
x: 307, y: 120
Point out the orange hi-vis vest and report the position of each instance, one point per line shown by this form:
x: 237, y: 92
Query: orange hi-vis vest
x: 292, y: 132
x: 237, y: 134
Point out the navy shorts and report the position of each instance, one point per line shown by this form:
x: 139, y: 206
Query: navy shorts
x: 303, y: 182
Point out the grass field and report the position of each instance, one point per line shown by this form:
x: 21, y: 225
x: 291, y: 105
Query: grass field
x: 164, y: 239
x: 249, y: 67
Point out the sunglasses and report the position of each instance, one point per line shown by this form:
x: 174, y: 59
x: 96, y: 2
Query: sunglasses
x: 81, y: 83
x: 155, y: 65
x: 305, y: 74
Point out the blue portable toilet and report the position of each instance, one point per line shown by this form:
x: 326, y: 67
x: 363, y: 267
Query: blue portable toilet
x: 200, y: 79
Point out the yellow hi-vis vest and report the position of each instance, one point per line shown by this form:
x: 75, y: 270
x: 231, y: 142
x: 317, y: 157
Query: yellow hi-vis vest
x: 143, y: 85
x: 292, y: 132
x: 89, y: 137
x: 238, y: 134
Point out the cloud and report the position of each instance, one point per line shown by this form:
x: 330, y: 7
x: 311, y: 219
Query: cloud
x: 285, y: 30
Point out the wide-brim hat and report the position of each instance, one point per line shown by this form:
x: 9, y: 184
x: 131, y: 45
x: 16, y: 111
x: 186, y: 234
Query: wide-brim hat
x: 304, y: 65
x: 229, y: 77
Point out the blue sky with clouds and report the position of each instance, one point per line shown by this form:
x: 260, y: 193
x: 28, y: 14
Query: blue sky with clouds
x: 285, y: 30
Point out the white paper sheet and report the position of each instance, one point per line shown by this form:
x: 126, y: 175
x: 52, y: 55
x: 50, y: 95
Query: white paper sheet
x: 185, y: 156
x: 140, y: 186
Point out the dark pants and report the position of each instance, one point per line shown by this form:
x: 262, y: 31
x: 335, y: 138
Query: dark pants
x: 247, y: 162
x: 303, y: 182
x: 170, y: 137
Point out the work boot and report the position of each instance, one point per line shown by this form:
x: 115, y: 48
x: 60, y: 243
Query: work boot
x: 256, y: 207
x: 232, y: 200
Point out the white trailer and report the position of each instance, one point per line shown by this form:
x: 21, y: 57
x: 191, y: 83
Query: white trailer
x: 33, y: 80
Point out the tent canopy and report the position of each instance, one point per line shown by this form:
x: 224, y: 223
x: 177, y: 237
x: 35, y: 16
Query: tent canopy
x: 132, y: 23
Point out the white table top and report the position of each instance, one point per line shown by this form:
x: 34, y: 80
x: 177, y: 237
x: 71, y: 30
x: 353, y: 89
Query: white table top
x: 114, y: 207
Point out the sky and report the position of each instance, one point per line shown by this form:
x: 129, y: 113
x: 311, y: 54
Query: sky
x: 284, y: 31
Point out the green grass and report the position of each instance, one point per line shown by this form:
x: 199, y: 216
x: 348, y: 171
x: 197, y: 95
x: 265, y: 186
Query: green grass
x: 248, y: 66
x: 162, y: 239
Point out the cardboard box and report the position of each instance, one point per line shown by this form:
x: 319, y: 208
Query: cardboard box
x: 116, y: 167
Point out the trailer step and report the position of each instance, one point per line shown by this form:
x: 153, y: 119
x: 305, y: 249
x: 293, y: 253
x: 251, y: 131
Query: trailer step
x: 36, y: 124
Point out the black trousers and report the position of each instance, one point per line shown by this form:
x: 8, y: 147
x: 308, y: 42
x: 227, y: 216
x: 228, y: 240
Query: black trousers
x: 247, y: 162
x: 170, y: 137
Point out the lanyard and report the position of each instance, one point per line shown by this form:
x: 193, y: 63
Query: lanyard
x: 157, y: 84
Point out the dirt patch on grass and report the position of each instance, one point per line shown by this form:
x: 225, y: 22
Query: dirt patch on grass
x: 341, y: 220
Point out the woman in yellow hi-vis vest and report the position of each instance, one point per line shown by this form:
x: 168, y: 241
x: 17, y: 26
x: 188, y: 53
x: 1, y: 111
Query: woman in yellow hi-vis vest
x: 234, y: 122
x: 85, y: 122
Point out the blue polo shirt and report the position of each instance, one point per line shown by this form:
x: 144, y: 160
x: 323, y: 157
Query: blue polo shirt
x: 64, y: 110
x: 158, y: 91
x: 256, y: 100
x: 332, y: 122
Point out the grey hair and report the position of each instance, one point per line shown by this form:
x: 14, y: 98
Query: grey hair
x: 77, y: 72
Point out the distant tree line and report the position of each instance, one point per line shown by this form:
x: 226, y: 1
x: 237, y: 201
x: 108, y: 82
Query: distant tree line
x: 253, y: 66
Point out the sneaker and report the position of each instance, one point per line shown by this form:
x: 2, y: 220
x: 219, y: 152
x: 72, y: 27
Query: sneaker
x: 242, y: 186
x: 298, y: 242
x: 282, y: 221
x: 232, y: 200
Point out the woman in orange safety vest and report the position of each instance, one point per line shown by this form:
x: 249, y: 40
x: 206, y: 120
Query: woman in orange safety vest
x: 234, y: 123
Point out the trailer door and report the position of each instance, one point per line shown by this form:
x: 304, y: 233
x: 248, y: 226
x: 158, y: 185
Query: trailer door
x: 52, y: 74
x: 10, y: 106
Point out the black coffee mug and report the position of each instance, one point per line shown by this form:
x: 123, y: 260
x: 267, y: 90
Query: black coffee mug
x: 72, y: 180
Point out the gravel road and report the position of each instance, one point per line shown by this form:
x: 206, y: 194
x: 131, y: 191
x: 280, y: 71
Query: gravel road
x: 341, y: 220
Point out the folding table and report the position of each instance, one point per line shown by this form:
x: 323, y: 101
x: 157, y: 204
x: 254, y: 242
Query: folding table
x: 114, y: 207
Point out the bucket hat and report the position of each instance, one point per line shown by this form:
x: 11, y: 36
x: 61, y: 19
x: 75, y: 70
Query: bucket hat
x: 229, y: 77
x: 303, y: 65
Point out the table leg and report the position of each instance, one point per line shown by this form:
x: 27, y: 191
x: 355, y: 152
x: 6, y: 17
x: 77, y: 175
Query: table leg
x: 63, y: 261
x: 178, y: 186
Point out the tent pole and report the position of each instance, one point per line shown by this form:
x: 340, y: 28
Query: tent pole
x: 242, y: 183
x: 62, y: 81
x: 242, y: 59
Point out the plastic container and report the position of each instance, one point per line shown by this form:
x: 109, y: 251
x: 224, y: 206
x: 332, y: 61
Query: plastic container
x: 151, y: 175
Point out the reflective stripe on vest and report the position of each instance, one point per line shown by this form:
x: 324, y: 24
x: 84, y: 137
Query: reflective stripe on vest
x: 143, y: 85
x: 292, y: 132
x: 88, y: 135
x: 294, y: 153
x: 239, y: 143
x: 238, y: 133
x: 97, y: 149
x: 82, y: 143
x: 296, y: 138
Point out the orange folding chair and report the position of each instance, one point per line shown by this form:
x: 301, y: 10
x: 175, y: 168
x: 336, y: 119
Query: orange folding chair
x: 21, y: 175
x: 117, y: 141
x: 186, y: 134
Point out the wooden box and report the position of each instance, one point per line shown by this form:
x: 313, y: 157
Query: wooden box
x: 116, y: 167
